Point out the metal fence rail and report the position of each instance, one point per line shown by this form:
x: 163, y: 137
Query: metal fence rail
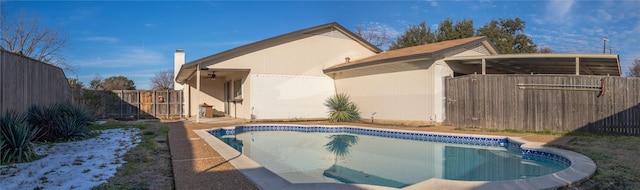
x: 499, y: 102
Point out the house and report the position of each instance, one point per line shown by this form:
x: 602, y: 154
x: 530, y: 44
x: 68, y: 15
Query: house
x: 277, y: 78
x: 406, y: 85
x: 290, y: 76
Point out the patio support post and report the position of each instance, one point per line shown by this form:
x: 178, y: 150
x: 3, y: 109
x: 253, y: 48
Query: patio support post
x: 198, y: 94
x: 484, y: 66
x: 577, y: 65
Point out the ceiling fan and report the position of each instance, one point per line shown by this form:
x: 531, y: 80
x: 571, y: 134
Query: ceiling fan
x: 211, y: 76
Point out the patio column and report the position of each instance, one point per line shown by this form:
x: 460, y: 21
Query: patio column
x: 484, y: 66
x: 577, y: 65
x: 198, y: 94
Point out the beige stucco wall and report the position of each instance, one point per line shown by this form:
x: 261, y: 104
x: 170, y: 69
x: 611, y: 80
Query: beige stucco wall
x: 303, y: 58
x: 401, y: 91
x: 307, y: 56
x: 290, y: 96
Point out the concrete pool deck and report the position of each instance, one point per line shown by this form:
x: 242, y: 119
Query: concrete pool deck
x: 196, y: 165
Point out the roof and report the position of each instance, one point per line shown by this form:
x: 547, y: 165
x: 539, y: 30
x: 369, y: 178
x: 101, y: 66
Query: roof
x: 590, y: 64
x: 188, y: 69
x: 421, y: 51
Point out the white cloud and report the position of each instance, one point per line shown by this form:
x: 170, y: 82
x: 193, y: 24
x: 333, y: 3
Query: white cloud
x: 433, y: 3
x: 603, y: 15
x: 381, y: 27
x: 559, y: 12
x: 102, y: 39
x: 592, y: 31
x: 560, y: 8
x: 125, y: 58
x: 538, y: 20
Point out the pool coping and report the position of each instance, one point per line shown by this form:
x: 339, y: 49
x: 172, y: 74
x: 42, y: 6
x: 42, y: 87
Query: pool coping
x: 580, y: 169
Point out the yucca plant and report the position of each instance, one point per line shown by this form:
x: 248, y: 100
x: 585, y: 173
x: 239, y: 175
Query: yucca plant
x: 62, y: 121
x: 3, y: 154
x: 17, y: 138
x: 341, y: 109
x: 73, y: 122
x: 72, y: 128
x: 44, y: 118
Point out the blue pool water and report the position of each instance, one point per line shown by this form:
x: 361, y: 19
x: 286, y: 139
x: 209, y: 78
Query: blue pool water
x: 369, y: 157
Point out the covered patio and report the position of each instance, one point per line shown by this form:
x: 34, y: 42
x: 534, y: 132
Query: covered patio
x: 578, y: 64
x: 220, y: 88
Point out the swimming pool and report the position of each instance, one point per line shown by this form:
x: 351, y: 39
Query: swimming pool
x: 299, y: 156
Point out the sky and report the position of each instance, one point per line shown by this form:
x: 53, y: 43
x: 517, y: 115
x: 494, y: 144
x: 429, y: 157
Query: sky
x: 137, y: 39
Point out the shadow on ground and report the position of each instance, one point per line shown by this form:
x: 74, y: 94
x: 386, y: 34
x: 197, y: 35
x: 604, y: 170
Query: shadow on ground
x: 198, y: 166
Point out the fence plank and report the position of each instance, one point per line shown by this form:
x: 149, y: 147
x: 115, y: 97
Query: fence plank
x: 495, y: 102
x: 143, y: 104
x: 25, y: 82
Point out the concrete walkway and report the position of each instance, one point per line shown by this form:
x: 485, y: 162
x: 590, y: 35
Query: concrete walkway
x: 196, y: 165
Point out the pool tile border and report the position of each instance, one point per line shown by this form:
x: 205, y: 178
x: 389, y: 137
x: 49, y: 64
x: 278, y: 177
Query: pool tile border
x: 579, y: 166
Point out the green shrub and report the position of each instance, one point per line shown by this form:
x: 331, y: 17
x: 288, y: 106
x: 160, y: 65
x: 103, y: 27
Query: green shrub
x: 16, y: 138
x: 43, y: 118
x: 61, y: 122
x: 72, y: 128
x: 341, y: 109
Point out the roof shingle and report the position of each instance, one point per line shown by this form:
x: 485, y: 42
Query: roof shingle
x: 409, y: 51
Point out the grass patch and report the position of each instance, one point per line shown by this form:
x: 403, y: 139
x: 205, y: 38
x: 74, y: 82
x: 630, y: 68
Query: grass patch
x: 112, y: 124
x: 615, y: 157
x: 148, y: 165
x: 117, y: 186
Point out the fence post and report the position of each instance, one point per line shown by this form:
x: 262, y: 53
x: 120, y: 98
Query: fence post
x: 138, y: 95
x: 155, y: 104
x: 168, y: 101
x: 121, y: 102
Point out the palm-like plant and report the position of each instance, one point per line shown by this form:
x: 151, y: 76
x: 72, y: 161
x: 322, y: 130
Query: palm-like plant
x: 16, y: 138
x: 44, y: 119
x: 74, y: 122
x: 341, y: 109
x: 60, y: 121
x: 340, y: 144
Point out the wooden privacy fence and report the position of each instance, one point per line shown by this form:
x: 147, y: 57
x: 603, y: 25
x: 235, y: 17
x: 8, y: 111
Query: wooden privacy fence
x: 25, y: 82
x: 545, y: 102
x: 132, y: 104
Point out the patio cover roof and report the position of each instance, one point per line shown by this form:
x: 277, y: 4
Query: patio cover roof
x: 579, y: 64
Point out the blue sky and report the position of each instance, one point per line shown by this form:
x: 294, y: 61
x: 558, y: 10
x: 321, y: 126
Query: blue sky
x: 138, y: 38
